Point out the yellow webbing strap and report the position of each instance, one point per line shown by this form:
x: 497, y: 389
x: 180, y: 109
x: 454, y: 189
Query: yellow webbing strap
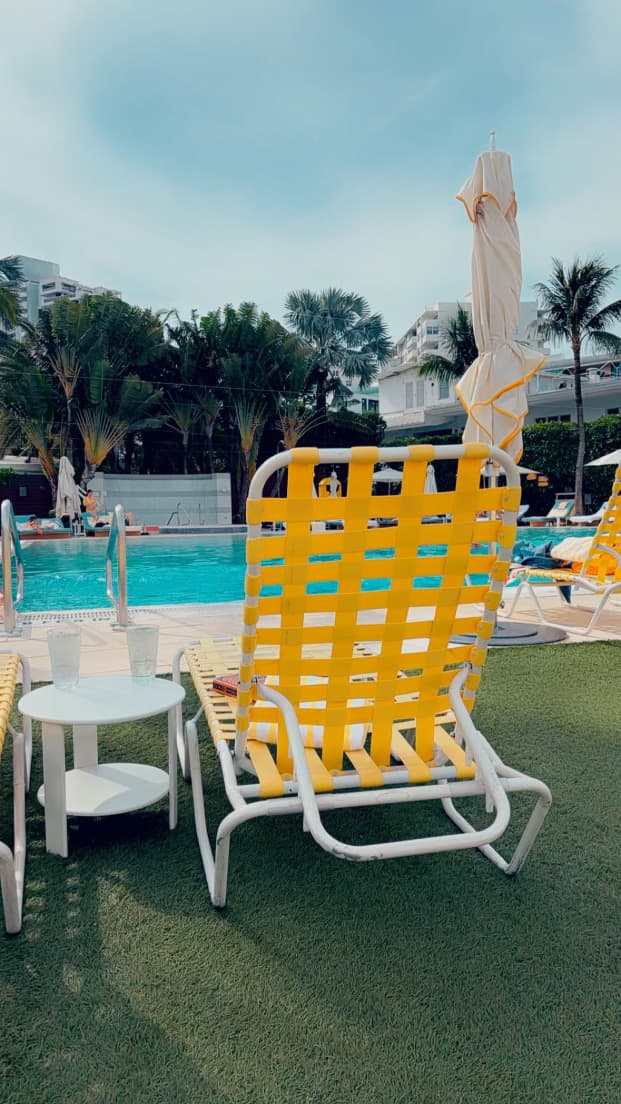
x: 454, y: 752
x: 369, y: 772
x: 320, y: 775
x: 270, y: 779
x: 417, y: 769
x: 9, y: 668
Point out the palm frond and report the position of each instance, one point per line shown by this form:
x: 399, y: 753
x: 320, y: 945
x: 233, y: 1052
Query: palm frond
x: 99, y: 434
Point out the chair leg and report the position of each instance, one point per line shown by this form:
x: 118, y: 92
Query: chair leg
x: 198, y: 800
x: 600, y: 606
x: 13, y: 863
x: 10, y: 896
x: 516, y: 595
x: 529, y: 835
x: 216, y: 866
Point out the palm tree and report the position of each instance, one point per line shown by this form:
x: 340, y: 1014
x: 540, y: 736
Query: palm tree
x: 572, y: 312
x: 10, y: 284
x: 182, y: 416
x: 250, y: 413
x: 295, y: 415
x: 28, y: 410
x: 342, y: 338
x: 210, y: 409
x: 100, y: 436
x: 457, y: 338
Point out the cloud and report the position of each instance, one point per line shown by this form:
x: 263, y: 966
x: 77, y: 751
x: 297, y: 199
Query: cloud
x: 205, y: 221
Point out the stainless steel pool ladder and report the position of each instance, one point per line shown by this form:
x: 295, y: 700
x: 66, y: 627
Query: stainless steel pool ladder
x: 117, y: 540
x: 11, y: 543
x: 177, y: 513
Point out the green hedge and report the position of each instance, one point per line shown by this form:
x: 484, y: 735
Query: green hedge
x: 551, y: 448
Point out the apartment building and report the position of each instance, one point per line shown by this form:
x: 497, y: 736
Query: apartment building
x: 408, y: 402
x: 43, y: 284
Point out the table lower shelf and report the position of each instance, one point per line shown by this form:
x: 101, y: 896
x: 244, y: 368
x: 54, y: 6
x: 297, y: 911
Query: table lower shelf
x: 111, y: 788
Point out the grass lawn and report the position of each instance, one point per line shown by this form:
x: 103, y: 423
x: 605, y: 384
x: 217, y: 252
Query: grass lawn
x: 419, y: 980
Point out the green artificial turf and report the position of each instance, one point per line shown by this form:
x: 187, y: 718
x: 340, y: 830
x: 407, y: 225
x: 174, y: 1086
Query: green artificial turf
x: 420, y: 980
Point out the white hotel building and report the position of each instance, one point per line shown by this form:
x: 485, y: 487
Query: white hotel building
x: 411, y: 405
x: 43, y: 284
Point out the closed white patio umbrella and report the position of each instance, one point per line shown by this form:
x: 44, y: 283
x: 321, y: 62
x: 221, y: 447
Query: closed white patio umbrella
x: 493, y: 389
x: 431, y: 485
x: 67, y: 494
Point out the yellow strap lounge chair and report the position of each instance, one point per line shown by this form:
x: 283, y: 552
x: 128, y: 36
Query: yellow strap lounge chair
x: 13, y: 861
x: 351, y: 692
x: 599, y: 572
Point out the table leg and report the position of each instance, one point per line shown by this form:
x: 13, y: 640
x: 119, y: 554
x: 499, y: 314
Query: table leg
x: 85, y: 746
x: 53, y: 741
x: 172, y: 768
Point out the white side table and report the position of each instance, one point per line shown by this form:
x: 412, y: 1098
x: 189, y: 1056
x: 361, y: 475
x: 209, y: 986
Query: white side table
x: 92, y: 788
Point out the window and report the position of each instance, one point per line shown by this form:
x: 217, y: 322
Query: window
x: 409, y: 396
x: 420, y: 393
x: 613, y: 410
x: 444, y: 389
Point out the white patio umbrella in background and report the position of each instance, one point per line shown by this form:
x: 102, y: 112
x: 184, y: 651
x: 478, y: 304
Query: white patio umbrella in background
x: 431, y: 485
x: 67, y: 495
x: 388, y: 475
x: 609, y: 458
x: 493, y: 389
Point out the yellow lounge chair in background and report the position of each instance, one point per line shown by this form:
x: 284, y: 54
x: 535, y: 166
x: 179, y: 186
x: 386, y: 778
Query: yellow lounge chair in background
x: 596, y: 572
x: 351, y: 692
x: 13, y: 860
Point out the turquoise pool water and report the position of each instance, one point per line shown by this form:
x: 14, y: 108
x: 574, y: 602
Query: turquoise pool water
x: 164, y: 570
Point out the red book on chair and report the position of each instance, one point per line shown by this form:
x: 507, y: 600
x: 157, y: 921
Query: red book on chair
x: 227, y: 684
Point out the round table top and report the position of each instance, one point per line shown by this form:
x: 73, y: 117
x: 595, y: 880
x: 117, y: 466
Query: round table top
x: 109, y: 700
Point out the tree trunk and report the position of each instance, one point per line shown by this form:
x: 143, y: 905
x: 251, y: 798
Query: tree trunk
x: 209, y: 431
x: 186, y: 438
x: 87, y: 474
x: 578, y: 493
x: 69, y: 443
x: 129, y: 452
x: 321, y: 394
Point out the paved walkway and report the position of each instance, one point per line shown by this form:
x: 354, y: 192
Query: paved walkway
x: 104, y: 651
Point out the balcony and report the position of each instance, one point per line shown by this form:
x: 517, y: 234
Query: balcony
x: 562, y: 379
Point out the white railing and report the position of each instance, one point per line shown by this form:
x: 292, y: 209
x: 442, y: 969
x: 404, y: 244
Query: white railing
x: 563, y: 379
x: 11, y: 544
x: 117, y: 540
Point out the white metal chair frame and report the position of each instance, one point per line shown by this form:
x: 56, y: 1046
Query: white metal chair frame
x: 581, y: 581
x: 494, y: 781
x: 13, y: 861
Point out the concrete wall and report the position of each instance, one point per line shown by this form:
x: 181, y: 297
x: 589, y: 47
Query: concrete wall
x: 203, y: 499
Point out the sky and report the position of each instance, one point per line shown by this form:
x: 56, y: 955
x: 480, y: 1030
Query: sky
x: 196, y: 152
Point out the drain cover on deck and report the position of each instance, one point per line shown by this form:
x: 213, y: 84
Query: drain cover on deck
x: 515, y: 633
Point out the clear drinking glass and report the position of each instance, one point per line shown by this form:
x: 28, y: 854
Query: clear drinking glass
x: 142, y: 643
x: 63, y: 646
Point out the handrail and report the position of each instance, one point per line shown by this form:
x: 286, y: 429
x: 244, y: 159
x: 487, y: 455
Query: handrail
x: 117, y: 538
x: 11, y: 542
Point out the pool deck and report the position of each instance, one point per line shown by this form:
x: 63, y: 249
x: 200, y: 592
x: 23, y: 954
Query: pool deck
x: 104, y: 651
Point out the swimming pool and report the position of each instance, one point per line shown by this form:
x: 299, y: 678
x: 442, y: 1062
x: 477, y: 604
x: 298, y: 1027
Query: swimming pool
x: 161, y: 570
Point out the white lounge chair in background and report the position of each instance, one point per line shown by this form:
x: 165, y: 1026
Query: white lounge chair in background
x: 589, y: 519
